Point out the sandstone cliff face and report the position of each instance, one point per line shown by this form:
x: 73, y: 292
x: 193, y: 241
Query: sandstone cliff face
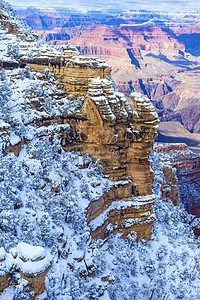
x: 173, y: 89
x: 48, y: 194
x: 187, y: 165
x: 160, y: 55
x: 158, y: 63
x: 115, y: 42
x: 149, y: 38
x: 169, y: 181
x: 103, y: 124
x: 108, y: 130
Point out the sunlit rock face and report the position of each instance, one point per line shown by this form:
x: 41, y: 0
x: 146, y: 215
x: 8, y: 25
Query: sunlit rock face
x: 99, y: 121
x: 119, y: 134
x: 108, y: 129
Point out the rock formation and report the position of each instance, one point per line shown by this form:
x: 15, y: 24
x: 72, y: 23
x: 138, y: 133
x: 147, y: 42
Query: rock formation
x: 63, y: 132
x: 151, y: 60
x: 169, y: 181
x: 106, y: 127
x: 126, y: 42
x: 32, y: 263
x: 103, y: 124
x: 4, y: 270
x: 187, y: 166
x: 153, y: 51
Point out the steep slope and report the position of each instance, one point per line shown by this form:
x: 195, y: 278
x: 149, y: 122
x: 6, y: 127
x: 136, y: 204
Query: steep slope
x: 47, y: 185
x: 187, y: 165
x: 127, y: 37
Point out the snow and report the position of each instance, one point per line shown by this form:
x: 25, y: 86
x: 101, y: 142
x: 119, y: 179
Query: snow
x: 14, y: 139
x: 28, y: 258
x: 2, y: 254
x: 6, y: 262
x: 8, y: 293
x: 29, y: 252
x: 45, y: 193
x: 3, y: 124
x: 34, y: 268
x: 117, y: 205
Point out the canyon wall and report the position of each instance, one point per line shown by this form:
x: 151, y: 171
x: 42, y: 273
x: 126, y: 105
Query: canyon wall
x: 158, y: 49
x: 187, y: 165
x: 156, y: 58
x: 126, y: 41
x: 148, y: 46
x: 102, y: 124
x: 91, y: 117
x: 106, y: 127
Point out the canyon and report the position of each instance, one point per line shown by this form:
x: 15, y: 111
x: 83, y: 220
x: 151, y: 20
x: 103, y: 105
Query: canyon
x: 155, y: 53
x: 85, y: 191
x: 102, y: 124
x: 90, y: 206
x: 106, y: 128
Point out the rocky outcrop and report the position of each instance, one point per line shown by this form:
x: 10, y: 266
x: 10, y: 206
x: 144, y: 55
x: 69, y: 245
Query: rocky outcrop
x: 126, y: 41
x: 175, y: 97
x: 31, y: 262
x: 158, y: 63
x: 109, y: 129
x: 151, y: 47
x: 169, y: 181
x: 101, y: 41
x: 150, y: 37
x: 99, y: 121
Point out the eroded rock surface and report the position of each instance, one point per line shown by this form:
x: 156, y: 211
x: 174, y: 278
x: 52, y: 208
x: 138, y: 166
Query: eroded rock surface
x: 97, y: 120
x: 31, y: 262
x: 187, y: 165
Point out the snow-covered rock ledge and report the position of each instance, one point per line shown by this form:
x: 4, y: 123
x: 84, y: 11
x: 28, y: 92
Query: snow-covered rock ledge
x: 31, y: 262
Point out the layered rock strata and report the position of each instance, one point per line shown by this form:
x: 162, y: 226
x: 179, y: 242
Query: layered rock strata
x: 109, y: 130
x: 106, y: 127
x: 98, y: 120
x: 168, y: 181
x: 121, y: 136
x: 187, y: 166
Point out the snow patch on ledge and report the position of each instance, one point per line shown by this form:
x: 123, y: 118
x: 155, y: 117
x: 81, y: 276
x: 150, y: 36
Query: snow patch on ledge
x: 29, y: 252
x: 4, y: 124
x: 2, y: 254
x: 136, y: 202
x: 31, y: 260
x: 14, y: 139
